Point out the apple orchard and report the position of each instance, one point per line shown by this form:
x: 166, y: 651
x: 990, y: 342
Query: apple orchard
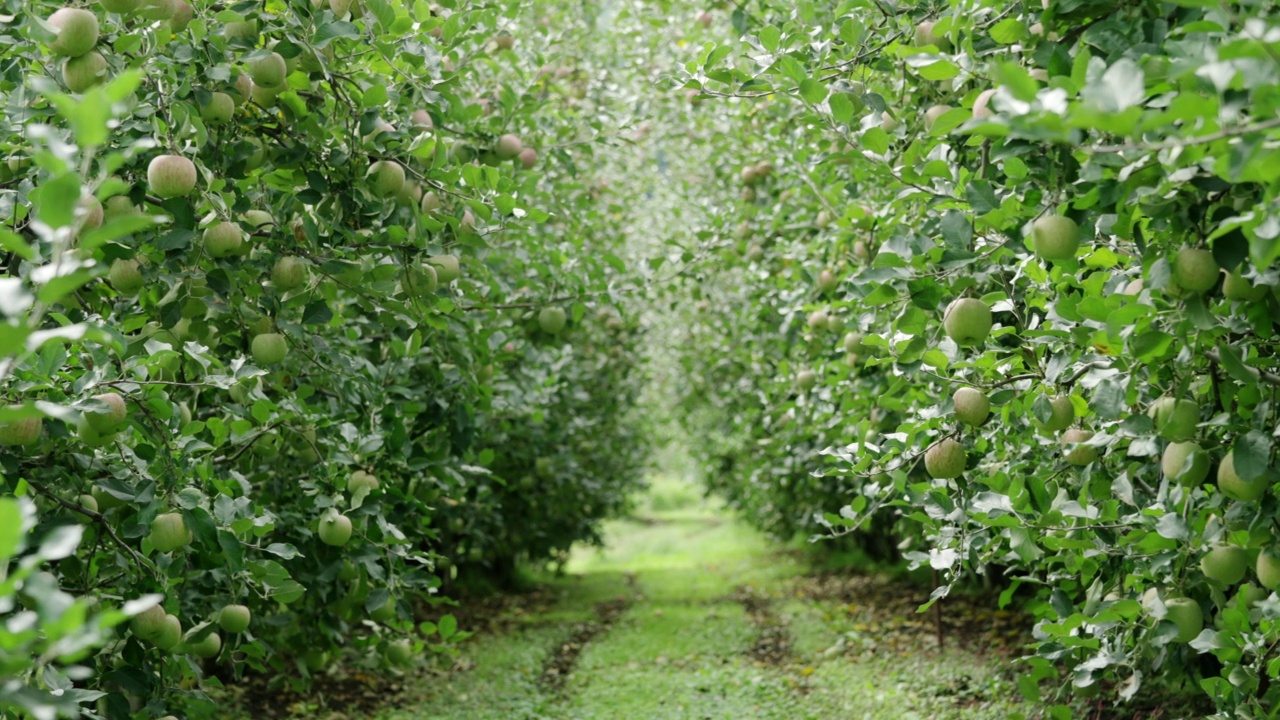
x: 314, y: 311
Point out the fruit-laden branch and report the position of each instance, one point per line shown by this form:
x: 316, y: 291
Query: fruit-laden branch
x: 96, y: 517
x: 1267, y: 377
x: 249, y: 443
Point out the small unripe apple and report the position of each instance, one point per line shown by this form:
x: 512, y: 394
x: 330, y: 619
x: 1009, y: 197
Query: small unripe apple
x: 207, y: 648
x: 806, y: 379
x: 705, y: 18
x: 385, y: 612
x: 447, y: 267
x: 528, y: 158
x: 1236, y: 287
x: 171, y: 176
x: 826, y: 281
x: 1225, y: 563
x: 77, y: 32
x: 92, y: 212
x: 84, y: 72
x: 219, y: 109
x: 982, y: 104
x: 110, y: 419
x: 925, y: 37
x: 169, y: 635
x: 169, y: 532
x: 360, y: 480
x: 945, y: 459
x: 245, y: 29
x: 508, y: 147
x: 430, y: 202
x: 504, y: 41
x: 1195, y: 269
x: 932, y: 114
x: 421, y: 120
x: 269, y: 348
x: 234, y: 618
x: 1186, y: 615
x: 1055, y: 237
x: 818, y: 320
x: 1185, y: 463
x: 335, y: 530
x: 1062, y: 414
x: 388, y: 177
x: 400, y: 652
x: 1268, y: 568
x: 967, y: 321
x: 223, y: 239
x: 289, y: 273
x: 410, y: 194
x: 148, y: 623
x: 317, y: 660
x: 263, y: 95
x: 1074, y: 451
x: 419, y: 280
x: 22, y: 432
x: 1236, y: 487
x: 267, y: 71
x: 552, y: 320
x: 125, y: 277
x: 853, y: 343
x: 1175, y: 419
x: 972, y: 406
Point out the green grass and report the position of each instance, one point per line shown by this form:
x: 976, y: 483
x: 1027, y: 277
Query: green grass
x: 681, y: 650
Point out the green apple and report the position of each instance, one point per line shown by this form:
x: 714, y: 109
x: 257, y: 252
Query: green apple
x: 1055, y: 237
x: 421, y: 120
x: 1236, y: 287
x: 1225, y: 563
x: 234, y: 618
x: 335, y: 530
x: 1074, y: 451
x: 924, y: 36
x: 1185, y: 463
x: 22, y: 432
x: 400, y: 652
x: 125, y: 277
x: 933, y: 113
x: 246, y: 29
x: 169, y: 635
x: 818, y: 320
x: 967, y: 321
x: 157, y: 9
x: 1186, y: 615
x: 148, y: 623
x: 267, y: 71
x: 265, y: 95
x: 209, y: 647
x: 430, y: 202
x: 316, y: 660
x: 853, y: 343
x: 362, y: 480
x: 1062, y: 414
x: 77, y: 31
x: 1175, y: 418
x: 84, y: 72
x: 90, y: 212
x: 806, y: 379
x: 219, y: 109
x: 171, y: 176
x: 552, y: 320
x: 419, y: 280
x: 289, y: 273
x: 182, y: 16
x: 971, y: 406
x: 269, y: 348
x: 1236, y: 487
x: 528, y: 158
x: 1195, y: 269
x: 1268, y: 568
x: 169, y: 532
x: 223, y: 239
x: 388, y: 177
x: 111, y: 418
x: 945, y: 459
x: 385, y: 612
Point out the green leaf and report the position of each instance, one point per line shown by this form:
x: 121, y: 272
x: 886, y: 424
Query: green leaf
x: 55, y: 200
x: 317, y: 313
x: 876, y: 140
x: 812, y: 91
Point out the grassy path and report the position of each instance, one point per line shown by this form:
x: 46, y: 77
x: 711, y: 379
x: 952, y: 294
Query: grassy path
x: 688, y: 614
